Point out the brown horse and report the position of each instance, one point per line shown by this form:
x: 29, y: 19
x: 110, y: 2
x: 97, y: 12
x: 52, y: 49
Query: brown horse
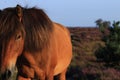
x: 38, y: 47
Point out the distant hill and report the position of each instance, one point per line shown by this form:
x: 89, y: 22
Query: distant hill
x: 86, y: 33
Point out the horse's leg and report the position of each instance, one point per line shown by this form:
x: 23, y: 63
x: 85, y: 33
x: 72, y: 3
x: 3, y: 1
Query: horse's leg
x: 22, y: 78
x: 62, y: 76
x: 39, y: 73
x: 50, y: 76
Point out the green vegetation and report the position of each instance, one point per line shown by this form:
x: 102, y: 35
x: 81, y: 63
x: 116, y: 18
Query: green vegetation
x: 102, y: 24
x: 110, y: 53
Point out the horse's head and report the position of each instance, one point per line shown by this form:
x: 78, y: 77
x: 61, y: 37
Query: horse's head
x: 11, y: 41
x: 10, y: 52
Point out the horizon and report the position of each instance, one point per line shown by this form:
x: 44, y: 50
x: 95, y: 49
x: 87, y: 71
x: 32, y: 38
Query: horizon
x: 73, y: 13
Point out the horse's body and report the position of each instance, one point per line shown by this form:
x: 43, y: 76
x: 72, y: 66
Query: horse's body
x: 39, y: 53
x: 56, y: 59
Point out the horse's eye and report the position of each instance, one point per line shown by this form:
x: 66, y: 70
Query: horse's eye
x: 17, y: 37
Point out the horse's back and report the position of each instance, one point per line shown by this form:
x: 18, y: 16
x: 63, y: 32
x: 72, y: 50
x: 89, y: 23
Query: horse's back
x: 63, y: 46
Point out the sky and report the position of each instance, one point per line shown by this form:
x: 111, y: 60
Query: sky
x: 82, y: 13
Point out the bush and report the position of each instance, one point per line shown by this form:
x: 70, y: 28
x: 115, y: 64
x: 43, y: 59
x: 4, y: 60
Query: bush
x: 111, y: 52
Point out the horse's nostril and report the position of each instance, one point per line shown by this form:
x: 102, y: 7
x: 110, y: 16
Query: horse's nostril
x: 6, y: 75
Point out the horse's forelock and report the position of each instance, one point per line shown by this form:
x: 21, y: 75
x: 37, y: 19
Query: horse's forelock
x: 9, y: 24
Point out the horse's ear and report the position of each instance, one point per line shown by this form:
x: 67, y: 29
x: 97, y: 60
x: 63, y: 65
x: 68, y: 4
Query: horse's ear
x: 0, y: 11
x: 19, y: 12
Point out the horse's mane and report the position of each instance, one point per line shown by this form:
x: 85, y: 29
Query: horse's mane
x: 38, y: 29
x: 36, y: 24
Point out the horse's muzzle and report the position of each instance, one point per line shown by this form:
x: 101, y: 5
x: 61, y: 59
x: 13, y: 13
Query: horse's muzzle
x: 6, y: 75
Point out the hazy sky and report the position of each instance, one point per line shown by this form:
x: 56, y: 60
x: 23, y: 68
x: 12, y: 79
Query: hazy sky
x: 73, y: 12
